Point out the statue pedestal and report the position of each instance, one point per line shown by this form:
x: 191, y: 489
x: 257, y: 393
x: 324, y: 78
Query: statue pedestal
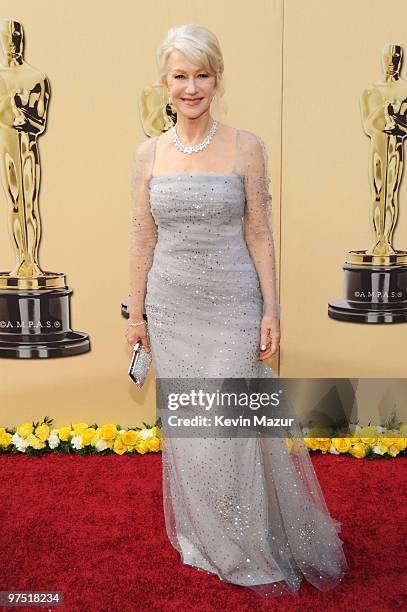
x: 35, y: 324
x: 373, y: 294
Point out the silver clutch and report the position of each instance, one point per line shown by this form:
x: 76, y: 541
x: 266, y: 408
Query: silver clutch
x: 139, y: 364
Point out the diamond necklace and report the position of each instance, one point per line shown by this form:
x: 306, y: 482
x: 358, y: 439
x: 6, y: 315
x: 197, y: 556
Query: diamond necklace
x: 196, y: 148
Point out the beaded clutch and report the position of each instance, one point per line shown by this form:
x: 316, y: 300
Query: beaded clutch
x: 139, y: 364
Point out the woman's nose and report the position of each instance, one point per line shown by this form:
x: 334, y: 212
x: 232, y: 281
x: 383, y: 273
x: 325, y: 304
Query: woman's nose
x: 191, y: 87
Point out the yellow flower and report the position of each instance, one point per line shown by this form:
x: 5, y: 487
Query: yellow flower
x: 42, y: 431
x: 25, y: 429
x: 108, y: 431
x: 87, y: 435
x: 79, y: 428
x: 382, y: 447
x: 312, y: 443
x: 5, y: 438
x: 2, y: 431
x: 141, y: 447
x: 129, y: 437
x: 400, y: 443
x: 393, y: 450
x: 370, y: 441
x: 155, y: 431
x: 358, y: 450
x: 153, y: 444
x: 403, y: 428
x: 94, y: 439
x: 154, y: 118
x: 119, y: 447
x: 64, y: 433
x: 324, y: 444
x: 342, y: 445
x: 35, y: 442
x: 354, y: 440
x: 386, y: 442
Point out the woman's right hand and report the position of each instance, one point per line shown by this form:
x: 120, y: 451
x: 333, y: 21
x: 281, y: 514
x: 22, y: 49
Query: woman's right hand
x: 138, y: 333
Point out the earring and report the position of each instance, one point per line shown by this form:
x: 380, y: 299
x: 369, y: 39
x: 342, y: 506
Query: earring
x: 171, y: 106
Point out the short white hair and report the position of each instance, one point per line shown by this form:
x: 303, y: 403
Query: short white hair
x: 199, y: 44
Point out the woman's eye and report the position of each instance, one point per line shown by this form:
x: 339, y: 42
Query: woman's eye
x: 181, y: 76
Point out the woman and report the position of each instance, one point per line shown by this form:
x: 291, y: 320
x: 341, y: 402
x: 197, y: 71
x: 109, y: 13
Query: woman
x: 202, y: 263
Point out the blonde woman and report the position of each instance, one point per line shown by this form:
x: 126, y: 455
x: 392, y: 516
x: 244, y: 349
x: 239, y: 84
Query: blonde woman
x: 202, y: 266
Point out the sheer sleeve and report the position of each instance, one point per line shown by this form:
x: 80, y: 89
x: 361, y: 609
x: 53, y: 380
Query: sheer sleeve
x: 257, y: 227
x: 143, y: 233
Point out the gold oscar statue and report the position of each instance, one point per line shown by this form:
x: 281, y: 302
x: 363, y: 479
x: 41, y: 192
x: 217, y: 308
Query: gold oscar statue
x: 34, y: 304
x: 376, y: 278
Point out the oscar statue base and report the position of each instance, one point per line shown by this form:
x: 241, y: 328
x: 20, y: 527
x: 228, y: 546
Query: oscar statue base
x: 36, y: 325
x: 374, y: 294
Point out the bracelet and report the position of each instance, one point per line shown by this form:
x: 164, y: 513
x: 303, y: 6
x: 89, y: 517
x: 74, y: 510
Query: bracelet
x: 135, y: 324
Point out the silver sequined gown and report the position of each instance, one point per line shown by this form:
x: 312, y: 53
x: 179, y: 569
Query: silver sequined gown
x: 244, y: 509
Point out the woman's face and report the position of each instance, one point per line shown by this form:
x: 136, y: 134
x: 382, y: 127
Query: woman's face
x: 190, y: 86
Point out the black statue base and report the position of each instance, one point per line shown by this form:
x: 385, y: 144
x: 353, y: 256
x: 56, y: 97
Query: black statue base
x: 36, y: 325
x: 373, y: 294
x: 125, y: 310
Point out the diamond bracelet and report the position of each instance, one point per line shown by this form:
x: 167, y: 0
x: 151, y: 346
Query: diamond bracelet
x: 135, y: 324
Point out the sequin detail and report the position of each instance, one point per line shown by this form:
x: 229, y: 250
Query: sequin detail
x: 245, y: 510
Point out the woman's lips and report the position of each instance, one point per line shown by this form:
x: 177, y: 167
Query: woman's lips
x: 194, y: 102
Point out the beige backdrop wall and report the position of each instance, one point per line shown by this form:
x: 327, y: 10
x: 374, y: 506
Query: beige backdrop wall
x: 98, y: 57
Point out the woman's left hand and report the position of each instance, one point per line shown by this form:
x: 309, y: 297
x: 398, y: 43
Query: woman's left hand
x: 270, y: 326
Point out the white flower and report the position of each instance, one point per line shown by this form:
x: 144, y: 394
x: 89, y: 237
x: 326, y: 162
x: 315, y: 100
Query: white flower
x: 357, y: 427
x: 20, y: 443
x: 101, y: 445
x: 76, y: 442
x: 305, y: 430
x: 378, y: 450
x: 122, y: 431
x: 53, y: 439
x: 333, y: 450
x: 380, y: 429
x: 144, y: 433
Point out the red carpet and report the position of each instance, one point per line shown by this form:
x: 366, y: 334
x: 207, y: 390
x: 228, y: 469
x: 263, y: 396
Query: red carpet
x: 93, y: 528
